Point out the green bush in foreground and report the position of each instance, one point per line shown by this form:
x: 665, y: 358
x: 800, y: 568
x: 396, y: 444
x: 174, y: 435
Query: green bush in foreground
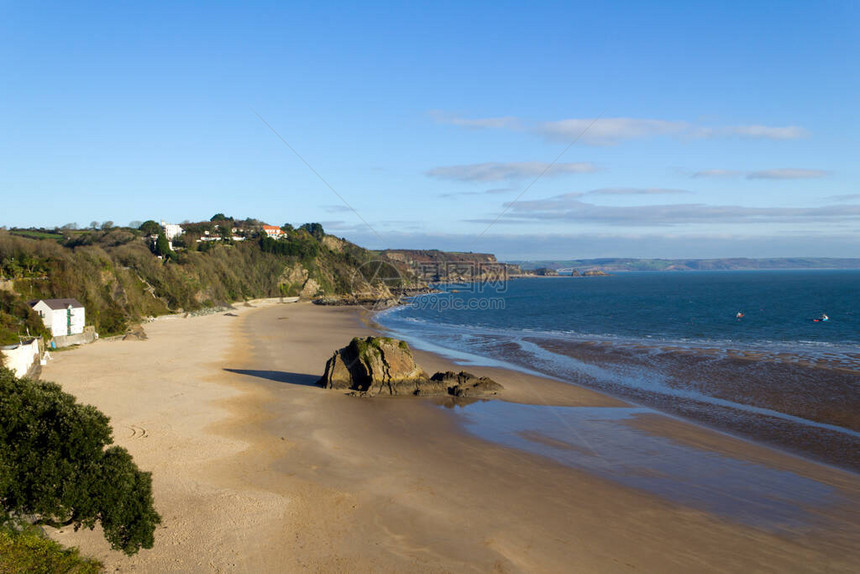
x: 57, y: 465
x: 26, y: 551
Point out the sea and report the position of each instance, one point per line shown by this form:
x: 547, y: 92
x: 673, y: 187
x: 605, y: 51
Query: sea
x: 744, y: 352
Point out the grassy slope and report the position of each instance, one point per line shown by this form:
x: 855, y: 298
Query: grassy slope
x: 119, y: 280
x: 26, y: 551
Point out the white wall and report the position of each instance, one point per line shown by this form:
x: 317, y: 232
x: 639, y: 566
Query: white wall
x: 77, y: 321
x: 21, y: 358
x: 46, y: 313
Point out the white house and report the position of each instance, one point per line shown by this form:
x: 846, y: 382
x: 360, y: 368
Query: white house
x: 171, y: 230
x: 61, y: 316
x: 273, y: 231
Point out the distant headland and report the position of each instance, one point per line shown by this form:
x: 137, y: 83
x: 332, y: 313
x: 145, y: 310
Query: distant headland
x: 614, y: 265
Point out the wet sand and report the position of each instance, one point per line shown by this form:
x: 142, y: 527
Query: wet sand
x: 255, y: 469
x: 752, y: 391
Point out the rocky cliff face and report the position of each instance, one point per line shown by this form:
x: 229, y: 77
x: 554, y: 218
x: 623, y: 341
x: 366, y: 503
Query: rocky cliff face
x: 383, y: 366
x: 451, y: 266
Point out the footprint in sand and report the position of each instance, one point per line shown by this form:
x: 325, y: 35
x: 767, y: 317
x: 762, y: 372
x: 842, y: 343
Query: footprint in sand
x: 137, y: 432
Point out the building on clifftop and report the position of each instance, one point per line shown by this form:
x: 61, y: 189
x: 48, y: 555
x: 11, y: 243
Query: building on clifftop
x: 273, y: 231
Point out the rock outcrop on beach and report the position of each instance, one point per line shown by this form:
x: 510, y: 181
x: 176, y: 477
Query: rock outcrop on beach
x: 383, y: 366
x: 467, y: 385
x: 374, y: 366
x: 135, y: 333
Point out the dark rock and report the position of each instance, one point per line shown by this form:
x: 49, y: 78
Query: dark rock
x: 348, y: 300
x: 467, y: 385
x: 135, y: 333
x: 376, y: 366
x: 384, y: 366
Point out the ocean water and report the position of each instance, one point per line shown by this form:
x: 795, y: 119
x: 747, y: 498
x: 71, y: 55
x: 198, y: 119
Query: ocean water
x: 674, y: 342
x: 778, y: 306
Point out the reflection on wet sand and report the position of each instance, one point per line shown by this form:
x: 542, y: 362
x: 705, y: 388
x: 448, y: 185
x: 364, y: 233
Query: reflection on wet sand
x: 608, y: 443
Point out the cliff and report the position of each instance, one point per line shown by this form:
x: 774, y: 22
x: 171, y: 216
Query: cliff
x: 435, y: 266
x: 119, y: 277
x: 123, y: 275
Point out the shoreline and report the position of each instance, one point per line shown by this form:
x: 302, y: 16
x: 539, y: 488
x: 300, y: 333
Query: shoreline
x: 255, y: 469
x: 700, y: 382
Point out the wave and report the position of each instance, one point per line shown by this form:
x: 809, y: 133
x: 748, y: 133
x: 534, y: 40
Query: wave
x: 810, y: 349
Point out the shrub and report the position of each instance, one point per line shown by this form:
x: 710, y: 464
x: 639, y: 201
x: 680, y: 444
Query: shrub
x: 56, y: 464
x: 24, y: 549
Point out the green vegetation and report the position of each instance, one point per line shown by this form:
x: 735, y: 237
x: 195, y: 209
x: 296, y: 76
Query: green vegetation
x: 314, y: 229
x: 21, y: 265
x: 58, y: 466
x: 162, y: 247
x: 24, y: 550
x: 150, y: 227
x: 116, y: 274
x: 300, y: 245
x: 39, y: 234
x: 17, y: 318
x: 373, y: 345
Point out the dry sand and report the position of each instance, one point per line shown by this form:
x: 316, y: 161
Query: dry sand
x: 257, y: 470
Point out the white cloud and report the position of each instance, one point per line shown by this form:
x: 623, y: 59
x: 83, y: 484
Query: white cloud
x: 787, y: 173
x: 611, y: 131
x: 494, y: 191
x: 607, y: 131
x: 717, y: 173
x: 496, y: 171
x: 635, y: 191
x: 782, y: 173
x: 767, y: 132
x: 506, y: 122
x: 570, y: 208
x: 534, y: 246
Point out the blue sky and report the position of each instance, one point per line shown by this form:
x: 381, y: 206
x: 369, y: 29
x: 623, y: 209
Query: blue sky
x: 553, y: 130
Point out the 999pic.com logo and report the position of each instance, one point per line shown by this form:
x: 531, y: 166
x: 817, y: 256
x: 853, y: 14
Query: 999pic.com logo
x: 375, y: 284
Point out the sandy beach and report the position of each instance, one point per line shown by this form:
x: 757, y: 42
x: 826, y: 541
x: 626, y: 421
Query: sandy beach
x: 255, y: 469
